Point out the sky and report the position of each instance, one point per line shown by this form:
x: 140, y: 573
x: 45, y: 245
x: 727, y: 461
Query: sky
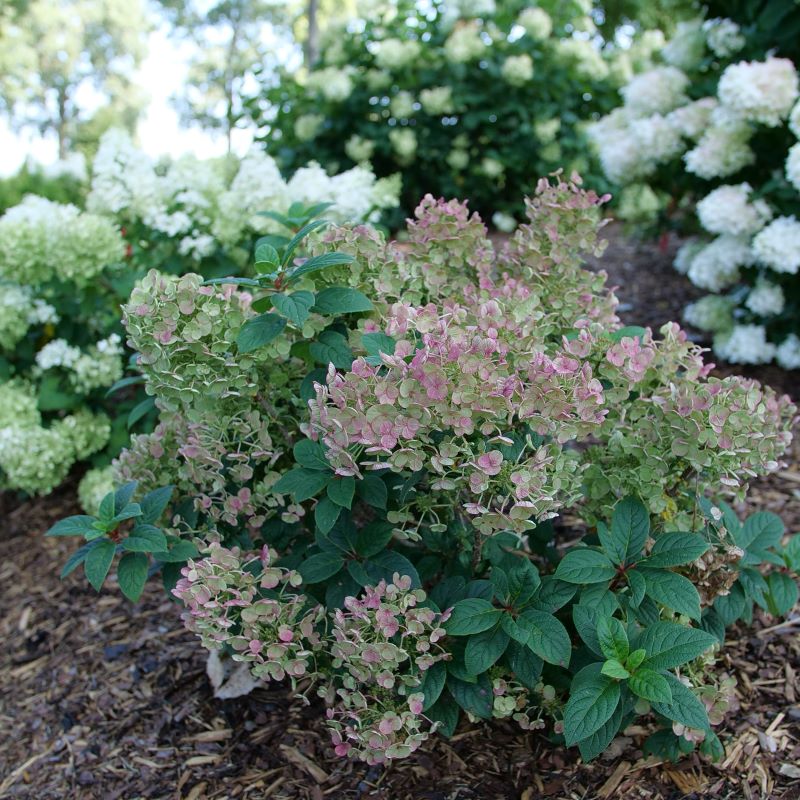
x: 159, y: 133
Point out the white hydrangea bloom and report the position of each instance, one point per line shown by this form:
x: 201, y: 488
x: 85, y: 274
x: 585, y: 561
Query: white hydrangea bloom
x: 686, y: 47
x: 536, y: 22
x: 73, y: 166
x: 402, y: 105
x: 585, y: 58
x: 18, y: 404
x: 57, y: 353
x: 465, y: 44
x: 745, y: 344
x: 712, y: 313
x: 656, y: 91
x: 307, y: 126
x: 692, y: 119
x: 395, y: 54
x: 717, y: 265
x: 760, y: 91
x: 438, y: 100
x: 504, y: 222
x: 788, y: 352
x: 94, y: 486
x: 723, y: 149
x: 793, y: 166
x: 724, y: 37
x: 685, y: 255
x: 518, y: 70
x: 766, y: 299
x: 332, y: 83
x: 404, y: 142
x: 794, y: 120
x: 729, y: 209
x: 492, y: 168
x: 359, y: 149
x: 656, y: 140
x: 778, y: 245
x: 546, y: 130
x: 99, y: 367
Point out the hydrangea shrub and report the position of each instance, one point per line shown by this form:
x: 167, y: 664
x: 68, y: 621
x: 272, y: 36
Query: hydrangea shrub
x: 708, y: 141
x: 64, y: 273
x: 361, y: 503
x: 467, y: 99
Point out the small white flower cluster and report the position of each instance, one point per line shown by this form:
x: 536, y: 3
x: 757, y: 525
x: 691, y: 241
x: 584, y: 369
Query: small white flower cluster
x: 536, y: 22
x: 760, y: 91
x: 465, y: 43
x: 717, y: 265
x: 192, y: 201
x: 19, y: 310
x: 332, y: 83
x: 788, y: 352
x: 778, y: 245
x: 686, y: 48
x: 393, y: 53
x: 404, y: 142
x: 43, y: 241
x: 517, y: 70
x: 584, y: 56
x: 724, y: 37
x: 57, y: 353
x: 656, y: 91
x: 729, y: 209
x: 437, y: 100
x: 766, y: 299
x: 34, y: 458
x: 97, y: 368
x: 712, y: 313
x: 745, y: 344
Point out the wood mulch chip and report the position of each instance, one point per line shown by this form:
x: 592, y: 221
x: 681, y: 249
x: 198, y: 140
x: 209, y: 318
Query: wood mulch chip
x: 100, y: 698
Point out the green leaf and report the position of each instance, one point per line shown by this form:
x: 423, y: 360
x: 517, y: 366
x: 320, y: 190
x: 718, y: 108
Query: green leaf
x: 585, y: 566
x: 630, y: 527
x: 545, y: 636
x: 318, y: 263
x: 433, y: 683
x: 79, y: 525
x: 154, y: 503
x: 332, y: 348
x: 638, y: 586
x: 180, y: 551
x: 760, y: 531
x: 123, y: 497
x: 132, y: 574
x: 140, y: 410
x: 673, y: 591
x: 76, y: 559
x: 372, y: 490
x: 122, y: 383
x: 472, y: 615
x: 484, y: 649
x: 684, y: 707
x: 599, y: 741
x: 320, y: 567
x: 326, y: 513
x: 635, y: 659
x: 612, y: 638
x: 526, y: 666
x: 296, y: 307
x: 648, y: 684
x: 375, y: 344
x: 445, y: 712
x: 373, y: 537
x: 266, y: 256
x: 145, y: 539
x: 293, y: 243
x: 731, y: 606
x: 613, y: 669
x: 475, y: 698
x: 782, y: 594
x: 258, y: 331
x: 341, y: 300
x: 669, y: 644
x: 675, y: 549
x: 629, y: 332
x: 311, y: 455
x: 341, y: 490
x: 302, y: 483
x: 98, y: 562
x: 590, y: 707
x: 383, y: 565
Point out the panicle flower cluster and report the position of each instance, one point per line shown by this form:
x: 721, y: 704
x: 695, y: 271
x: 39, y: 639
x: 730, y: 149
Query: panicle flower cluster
x: 745, y: 344
x: 332, y: 83
x: 437, y: 100
x: 395, y: 53
x: 35, y: 459
x: 381, y: 645
x: 19, y: 311
x: 712, y: 313
x: 518, y: 70
x: 716, y: 266
x: 99, y: 367
x: 656, y: 91
x: 513, y: 700
x: 760, y: 91
x: 730, y: 209
x: 42, y: 241
x: 788, y: 352
x: 93, y: 487
x: 536, y: 22
x: 247, y: 602
x: 778, y: 245
x: 766, y: 299
x: 724, y: 37
x: 465, y: 43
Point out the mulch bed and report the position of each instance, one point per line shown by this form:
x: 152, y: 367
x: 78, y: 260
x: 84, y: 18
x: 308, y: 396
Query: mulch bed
x: 100, y: 698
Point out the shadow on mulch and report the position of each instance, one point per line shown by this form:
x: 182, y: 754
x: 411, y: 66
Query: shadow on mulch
x: 103, y: 699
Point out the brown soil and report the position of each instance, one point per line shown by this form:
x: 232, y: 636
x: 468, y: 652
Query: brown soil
x: 100, y: 698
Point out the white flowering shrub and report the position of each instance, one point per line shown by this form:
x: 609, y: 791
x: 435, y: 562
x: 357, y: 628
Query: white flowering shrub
x: 65, y: 272
x: 360, y: 452
x: 467, y: 99
x: 713, y: 132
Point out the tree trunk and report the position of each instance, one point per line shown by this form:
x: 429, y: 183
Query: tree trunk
x: 61, y: 124
x: 312, y: 41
